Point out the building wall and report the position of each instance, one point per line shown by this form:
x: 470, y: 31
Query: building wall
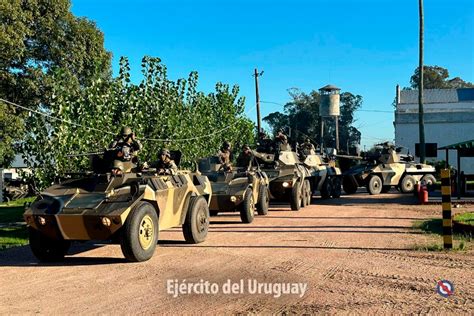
x: 449, y: 119
x: 443, y: 134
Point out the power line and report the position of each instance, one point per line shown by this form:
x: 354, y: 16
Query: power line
x: 143, y: 139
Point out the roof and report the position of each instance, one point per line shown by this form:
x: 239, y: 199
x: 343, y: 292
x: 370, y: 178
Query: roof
x: 463, y: 145
x: 438, y: 96
x: 329, y: 87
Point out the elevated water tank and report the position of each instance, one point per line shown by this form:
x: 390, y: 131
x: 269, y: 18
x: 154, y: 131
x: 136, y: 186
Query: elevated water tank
x: 330, y: 99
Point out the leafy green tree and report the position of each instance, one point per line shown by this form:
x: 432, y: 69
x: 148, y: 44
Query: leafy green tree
x: 162, y: 113
x: 301, y: 115
x: 436, y: 77
x: 39, y: 38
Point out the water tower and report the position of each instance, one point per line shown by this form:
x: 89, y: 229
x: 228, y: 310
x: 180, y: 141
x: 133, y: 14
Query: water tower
x: 329, y: 107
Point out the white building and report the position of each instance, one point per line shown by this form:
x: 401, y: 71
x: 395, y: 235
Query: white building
x: 449, y: 119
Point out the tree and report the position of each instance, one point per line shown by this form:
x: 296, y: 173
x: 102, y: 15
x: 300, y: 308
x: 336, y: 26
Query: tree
x: 162, y: 113
x: 39, y: 38
x: 301, y: 115
x: 436, y: 77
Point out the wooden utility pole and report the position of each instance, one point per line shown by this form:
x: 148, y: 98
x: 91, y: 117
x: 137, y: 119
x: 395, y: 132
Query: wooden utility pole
x: 421, y: 119
x: 257, y: 97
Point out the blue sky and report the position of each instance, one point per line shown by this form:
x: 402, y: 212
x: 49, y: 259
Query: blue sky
x: 365, y: 47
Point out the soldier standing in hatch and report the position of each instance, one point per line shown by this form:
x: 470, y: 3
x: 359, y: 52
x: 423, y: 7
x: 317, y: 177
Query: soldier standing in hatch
x: 225, y: 156
x: 126, y: 147
x: 245, y: 157
x: 308, y: 148
x: 165, y: 165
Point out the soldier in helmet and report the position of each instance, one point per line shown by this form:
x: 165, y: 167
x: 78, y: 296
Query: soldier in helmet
x: 125, y: 148
x: 164, y: 164
x: 225, y: 156
x: 308, y: 148
x: 245, y: 157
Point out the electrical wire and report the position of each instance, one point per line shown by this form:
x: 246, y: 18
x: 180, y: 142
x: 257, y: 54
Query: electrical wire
x: 142, y: 139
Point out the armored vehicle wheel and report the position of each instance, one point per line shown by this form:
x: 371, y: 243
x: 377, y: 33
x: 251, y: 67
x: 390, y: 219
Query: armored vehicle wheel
x: 46, y: 249
x: 429, y: 180
x: 263, y: 200
x: 295, y: 198
x: 196, y: 225
x: 386, y: 188
x: 348, y: 186
x: 408, y: 184
x: 307, y: 193
x: 214, y: 213
x: 247, y: 209
x: 374, y: 186
x: 336, y: 187
x: 326, y: 188
x: 140, y: 233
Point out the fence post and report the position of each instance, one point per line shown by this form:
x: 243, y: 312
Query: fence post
x: 446, y: 202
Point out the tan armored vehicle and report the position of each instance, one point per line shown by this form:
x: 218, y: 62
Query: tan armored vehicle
x: 321, y: 175
x: 129, y: 209
x: 238, y: 190
x: 387, y: 168
x: 286, y: 175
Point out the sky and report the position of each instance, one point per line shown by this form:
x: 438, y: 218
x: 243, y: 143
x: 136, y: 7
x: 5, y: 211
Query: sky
x: 365, y: 47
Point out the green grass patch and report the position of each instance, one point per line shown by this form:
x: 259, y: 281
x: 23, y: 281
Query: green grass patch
x: 13, y: 236
x: 465, y: 218
x: 11, y: 214
x: 19, y: 202
x: 434, y: 226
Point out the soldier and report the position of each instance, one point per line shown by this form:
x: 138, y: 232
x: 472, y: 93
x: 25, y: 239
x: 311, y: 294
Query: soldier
x: 245, y: 157
x: 225, y: 156
x: 281, y: 143
x: 126, y: 147
x: 165, y: 165
x: 308, y: 148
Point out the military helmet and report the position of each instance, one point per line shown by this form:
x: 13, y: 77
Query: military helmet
x: 245, y: 147
x: 125, y: 131
x: 226, y: 145
x: 166, y: 152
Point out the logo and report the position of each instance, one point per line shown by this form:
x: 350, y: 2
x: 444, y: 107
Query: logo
x: 445, y: 288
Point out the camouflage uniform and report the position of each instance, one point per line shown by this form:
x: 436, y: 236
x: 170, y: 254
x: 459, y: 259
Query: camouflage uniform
x: 165, y: 165
x: 126, y: 148
x: 245, y: 158
x: 225, y: 156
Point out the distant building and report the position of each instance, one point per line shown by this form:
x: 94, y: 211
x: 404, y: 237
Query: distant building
x: 449, y: 119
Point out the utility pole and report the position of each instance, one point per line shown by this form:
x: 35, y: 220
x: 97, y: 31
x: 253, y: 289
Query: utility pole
x: 257, y: 97
x: 420, y: 90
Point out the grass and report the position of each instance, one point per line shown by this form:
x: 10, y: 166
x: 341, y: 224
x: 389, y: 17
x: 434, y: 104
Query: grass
x: 434, y: 226
x: 13, y: 237
x: 465, y: 218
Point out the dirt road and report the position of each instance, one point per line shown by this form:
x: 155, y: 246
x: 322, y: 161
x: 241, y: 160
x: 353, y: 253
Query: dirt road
x: 354, y: 255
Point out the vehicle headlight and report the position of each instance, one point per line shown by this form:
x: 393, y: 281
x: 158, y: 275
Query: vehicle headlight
x: 285, y: 184
x: 106, y: 221
x: 41, y: 220
x: 233, y: 199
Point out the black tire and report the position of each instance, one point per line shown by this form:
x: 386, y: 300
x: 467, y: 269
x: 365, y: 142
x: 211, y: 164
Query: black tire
x: 247, y: 208
x: 336, y: 187
x: 307, y: 193
x: 263, y: 200
x: 140, y: 233
x: 196, y: 225
x: 326, y: 188
x: 430, y: 181
x: 374, y: 186
x: 407, y: 185
x: 46, y: 249
x: 295, y: 197
x: 214, y: 213
x: 349, y: 186
x: 386, y: 188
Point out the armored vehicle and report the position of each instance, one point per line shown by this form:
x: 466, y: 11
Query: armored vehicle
x: 286, y: 175
x: 15, y: 189
x: 129, y: 208
x: 386, y: 168
x: 321, y: 175
x: 241, y: 190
